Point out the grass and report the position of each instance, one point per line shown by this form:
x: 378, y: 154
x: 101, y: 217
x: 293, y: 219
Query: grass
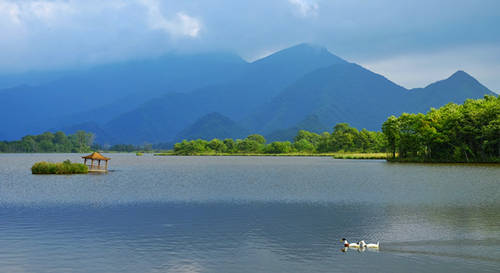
x: 360, y: 156
x: 334, y: 155
x: 139, y: 154
x: 65, y: 167
x: 427, y: 160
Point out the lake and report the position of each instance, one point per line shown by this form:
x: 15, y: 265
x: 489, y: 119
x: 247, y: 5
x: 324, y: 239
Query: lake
x: 248, y: 214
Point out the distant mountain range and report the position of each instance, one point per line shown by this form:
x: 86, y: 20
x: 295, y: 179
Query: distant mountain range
x: 219, y: 95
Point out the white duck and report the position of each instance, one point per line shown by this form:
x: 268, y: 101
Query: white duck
x: 347, y: 244
x: 362, y: 244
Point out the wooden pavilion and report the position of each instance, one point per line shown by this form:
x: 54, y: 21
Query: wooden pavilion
x: 95, y: 156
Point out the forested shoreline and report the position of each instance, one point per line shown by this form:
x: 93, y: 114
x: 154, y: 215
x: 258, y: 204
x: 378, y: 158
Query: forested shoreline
x: 344, y: 138
x: 59, y: 142
x: 469, y: 132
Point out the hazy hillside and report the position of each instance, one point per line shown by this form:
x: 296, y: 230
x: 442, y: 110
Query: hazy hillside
x: 161, y: 119
x: 217, y: 94
x: 210, y: 126
x: 339, y: 93
x: 457, y: 88
x: 311, y: 123
x: 101, y: 93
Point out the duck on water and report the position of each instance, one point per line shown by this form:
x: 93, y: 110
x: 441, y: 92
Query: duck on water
x: 361, y: 244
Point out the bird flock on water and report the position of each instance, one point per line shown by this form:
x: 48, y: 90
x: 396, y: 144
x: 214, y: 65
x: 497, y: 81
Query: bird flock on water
x: 360, y: 246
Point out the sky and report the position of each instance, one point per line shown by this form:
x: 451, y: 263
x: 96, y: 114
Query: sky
x: 411, y: 42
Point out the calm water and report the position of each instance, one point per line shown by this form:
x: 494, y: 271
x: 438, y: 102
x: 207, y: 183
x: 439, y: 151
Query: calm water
x: 248, y: 214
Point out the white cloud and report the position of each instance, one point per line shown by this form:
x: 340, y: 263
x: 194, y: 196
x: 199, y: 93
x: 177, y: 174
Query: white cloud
x: 47, y: 34
x: 420, y: 69
x: 181, y: 25
x: 305, y: 7
x: 20, y: 12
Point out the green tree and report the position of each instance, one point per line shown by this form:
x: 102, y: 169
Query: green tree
x: 390, y: 128
x: 303, y: 145
x: 257, y: 138
x: 248, y: 146
x: 217, y: 145
x: 230, y: 145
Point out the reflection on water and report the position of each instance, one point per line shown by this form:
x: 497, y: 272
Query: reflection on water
x: 225, y: 214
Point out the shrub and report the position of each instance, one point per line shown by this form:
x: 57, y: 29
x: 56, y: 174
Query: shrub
x: 65, y: 167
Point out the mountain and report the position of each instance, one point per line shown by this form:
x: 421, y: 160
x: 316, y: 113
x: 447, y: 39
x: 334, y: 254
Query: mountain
x: 350, y: 93
x: 457, y: 88
x: 161, y: 119
x: 100, y: 135
x: 101, y: 93
x: 311, y: 123
x: 339, y: 93
x: 210, y: 126
x: 216, y: 94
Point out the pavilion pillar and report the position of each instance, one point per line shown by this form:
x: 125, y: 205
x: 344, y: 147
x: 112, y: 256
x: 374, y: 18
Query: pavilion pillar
x: 106, y: 165
x: 92, y: 164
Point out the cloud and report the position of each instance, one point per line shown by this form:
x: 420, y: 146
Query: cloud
x: 181, y: 25
x: 420, y: 69
x: 52, y: 34
x: 305, y: 8
x: 58, y: 34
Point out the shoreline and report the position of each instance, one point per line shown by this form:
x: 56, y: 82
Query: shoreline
x: 334, y: 155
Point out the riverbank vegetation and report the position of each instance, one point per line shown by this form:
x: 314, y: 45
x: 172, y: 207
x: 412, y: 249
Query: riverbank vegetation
x: 343, y: 139
x: 453, y: 133
x: 65, y: 167
x: 48, y: 142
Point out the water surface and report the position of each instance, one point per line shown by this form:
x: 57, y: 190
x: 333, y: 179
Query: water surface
x: 248, y: 214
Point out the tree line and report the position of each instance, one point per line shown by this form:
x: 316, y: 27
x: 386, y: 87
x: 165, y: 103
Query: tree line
x: 344, y: 138
x: 453, y: 133
x: 59, y: 142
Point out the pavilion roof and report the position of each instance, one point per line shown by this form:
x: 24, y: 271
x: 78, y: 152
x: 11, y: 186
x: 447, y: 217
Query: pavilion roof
x: 96, y: 156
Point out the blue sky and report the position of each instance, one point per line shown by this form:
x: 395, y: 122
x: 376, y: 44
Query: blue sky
x: 411, y: 42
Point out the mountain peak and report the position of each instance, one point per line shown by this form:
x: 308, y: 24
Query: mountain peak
x: 461, y: 75
x: 459, y: 78
x: 300, y: 52
x: 308, y: 46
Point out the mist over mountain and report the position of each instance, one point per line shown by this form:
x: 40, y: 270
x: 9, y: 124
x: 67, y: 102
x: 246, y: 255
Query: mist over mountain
x: 101, y: 93
x: 210, y: 126
x: 237, y: 99
x: 218, y: 94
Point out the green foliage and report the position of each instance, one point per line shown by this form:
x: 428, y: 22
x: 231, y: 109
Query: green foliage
x: 248, y: 146
x: 452, y: 133
x: 230, y: 145
x: 257, y: 138
x: 192, y: 147
x: 310, y: 137
x: 217, y: 145
x: 303, y: 145
x: 50, y: 143
x: 344, y: 138
x: 65, y: 167
x: 124, y: 148
x: 279, y: 148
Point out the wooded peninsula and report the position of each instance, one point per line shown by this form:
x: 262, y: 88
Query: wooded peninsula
x: 453, y: 133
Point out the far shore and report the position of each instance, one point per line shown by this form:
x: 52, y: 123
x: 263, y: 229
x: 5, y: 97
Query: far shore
x: 334, y: 155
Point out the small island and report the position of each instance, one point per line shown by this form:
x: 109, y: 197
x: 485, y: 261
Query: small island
x: 65, y: 167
